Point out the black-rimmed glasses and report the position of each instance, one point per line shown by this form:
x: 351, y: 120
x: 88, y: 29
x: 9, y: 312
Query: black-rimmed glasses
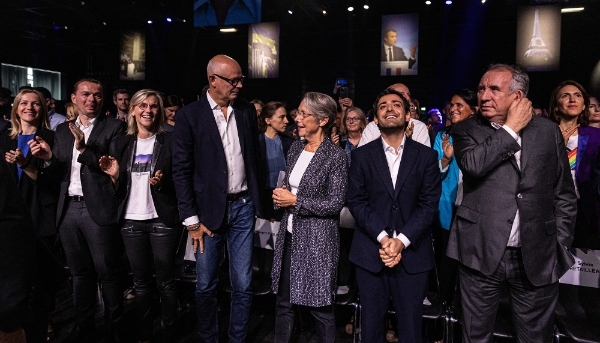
x: 232, y: 82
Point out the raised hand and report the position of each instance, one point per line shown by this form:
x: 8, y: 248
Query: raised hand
x: 40, y: 149
x: 447, y: 147
x: 519, y: 114
x: 79, y: 137
x: 410, y: 128
x: 110, y: 166
x: 566, y: 133
x: 15, y: 156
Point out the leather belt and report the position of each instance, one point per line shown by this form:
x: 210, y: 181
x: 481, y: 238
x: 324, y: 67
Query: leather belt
x: 75, y: 198
x: 236, y: 196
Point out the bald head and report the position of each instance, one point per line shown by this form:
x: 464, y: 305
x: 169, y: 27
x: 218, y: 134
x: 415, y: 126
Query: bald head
x: 220, y: 63
x: 402, y: 89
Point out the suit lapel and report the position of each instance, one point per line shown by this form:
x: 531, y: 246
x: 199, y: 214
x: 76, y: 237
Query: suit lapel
x: 380, y: 163
x: 528, y: 137
x: 406, y: 163
x: 207, y: 120
x: 581, y: 146
x: 239, y: 121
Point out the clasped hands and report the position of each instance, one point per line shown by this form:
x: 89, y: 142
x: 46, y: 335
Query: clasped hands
x: 282, y: 197
x: 391, y: 251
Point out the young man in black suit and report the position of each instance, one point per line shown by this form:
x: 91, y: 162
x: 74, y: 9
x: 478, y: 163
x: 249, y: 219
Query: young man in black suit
x: 87, y: 210
x: 393, y: 193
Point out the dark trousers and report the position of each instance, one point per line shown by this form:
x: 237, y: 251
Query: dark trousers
x: 285, y: 315
x: 407, y: 292
x: 532, y: 306
x: 151, y: 243
x: 238, y: 231
x: 447, y: 267
x: 93, y: 252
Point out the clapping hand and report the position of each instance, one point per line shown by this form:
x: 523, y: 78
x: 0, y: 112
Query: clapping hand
x: 79, y: 137
x: 410, y: 128
x: 110, y: 167
x: 447, y: 147
x: 40, y: 149
x: 15, y: 156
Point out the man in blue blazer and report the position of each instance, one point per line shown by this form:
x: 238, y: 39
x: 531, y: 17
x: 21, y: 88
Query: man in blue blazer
x: 215, y: 152
x: 393, y: 193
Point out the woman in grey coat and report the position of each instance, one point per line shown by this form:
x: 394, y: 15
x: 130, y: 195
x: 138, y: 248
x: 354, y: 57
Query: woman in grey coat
x: 308, y: 244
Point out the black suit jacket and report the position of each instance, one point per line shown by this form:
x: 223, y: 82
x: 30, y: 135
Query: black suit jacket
x: 409, y: 208
x: 97, y: 186
x: 495, y: 187
x: 199, y: 165
x: 41, y: 195
x: 398, y: 55
x: 163, y: 196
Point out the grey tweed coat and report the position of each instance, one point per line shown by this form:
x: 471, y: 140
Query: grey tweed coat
x: 315, y: 233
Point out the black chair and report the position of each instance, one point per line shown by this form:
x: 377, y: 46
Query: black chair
x: 577, y: 314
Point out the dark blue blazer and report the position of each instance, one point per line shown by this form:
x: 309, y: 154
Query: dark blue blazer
x: 408, y: 209
x: 199, y: 165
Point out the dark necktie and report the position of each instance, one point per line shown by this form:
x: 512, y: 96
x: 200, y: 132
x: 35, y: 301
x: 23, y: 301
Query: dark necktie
x: 390, y: 57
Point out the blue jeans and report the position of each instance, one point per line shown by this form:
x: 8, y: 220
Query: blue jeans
x: 151, y: 248
x: 238, y: 231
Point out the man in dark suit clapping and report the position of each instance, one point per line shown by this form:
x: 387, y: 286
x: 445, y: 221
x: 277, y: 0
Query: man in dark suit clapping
x: 215, y: 151
x: 518, y: 210
x: 87, y: 210
x: 393, y: 192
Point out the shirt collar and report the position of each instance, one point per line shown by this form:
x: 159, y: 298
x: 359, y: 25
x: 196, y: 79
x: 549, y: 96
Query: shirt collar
x: 213, y: 104
x: 387, y: 147
x: 90, y: 123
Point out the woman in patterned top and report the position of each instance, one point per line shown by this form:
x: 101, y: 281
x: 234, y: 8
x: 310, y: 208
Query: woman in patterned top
x: 308, y: 244
x: 569, y: 107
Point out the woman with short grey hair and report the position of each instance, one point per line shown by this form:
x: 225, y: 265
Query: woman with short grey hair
x: 308, y: 243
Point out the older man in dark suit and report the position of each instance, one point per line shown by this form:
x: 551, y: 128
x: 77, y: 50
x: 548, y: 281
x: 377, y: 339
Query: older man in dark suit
x: 393, y: 193
x: 215, y: 152
x: 87, y: 210
x: 518, y: 211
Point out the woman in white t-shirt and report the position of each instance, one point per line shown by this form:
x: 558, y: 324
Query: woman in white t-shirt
x: 140, y: 168
x: 569, y: 107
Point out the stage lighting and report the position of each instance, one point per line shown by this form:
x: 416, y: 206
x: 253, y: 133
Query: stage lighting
x: 290, y: 12
x: 231, y: 29
x: 324, y: 12
x: 571, y: 9
x: 149, y: 21
x: 169, y: 20
x: 427, y: 2
x: 448, y: 2
x: 350, y: 9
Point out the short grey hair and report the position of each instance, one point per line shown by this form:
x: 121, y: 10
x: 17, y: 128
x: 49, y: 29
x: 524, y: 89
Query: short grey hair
x: 322, y: 106
x: 519, y: 80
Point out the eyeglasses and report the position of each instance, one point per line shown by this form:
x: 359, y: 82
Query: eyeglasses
x: 352, y: 120
x: 232, y: 82
x: 413, y: 108
x: 143, y: 106
x: 304, y: 114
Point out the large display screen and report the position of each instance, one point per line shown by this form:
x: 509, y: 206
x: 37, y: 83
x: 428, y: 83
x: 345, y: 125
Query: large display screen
x: 263, y: 51
x: 399, y: 44
x: 538, y: 38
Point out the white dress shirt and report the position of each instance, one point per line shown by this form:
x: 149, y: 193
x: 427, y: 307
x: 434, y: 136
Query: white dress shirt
x: 420, y: 133
x: 236, y: 172
x: 514, y: 240
x: 393, y: 158
x: 75, y: 187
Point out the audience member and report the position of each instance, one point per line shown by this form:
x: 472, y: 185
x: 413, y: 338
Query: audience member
x: 516, y: 218
x: 463, y: 105
x: 393, y: 193
x: 415, y: 112
x: 569, y: 104
x: 215, y: 156
x: 172, y: 104
x: 140, y: 169
x: 53, y: 117
x: 87, y: 211
x: 274, y: 147
x: 71, y: 111
x: 594, y: 112
x: 353, y: 125
x: 307, y: 250
x: 121, y: 100
x: 415, y: 129
x: 258, y: 105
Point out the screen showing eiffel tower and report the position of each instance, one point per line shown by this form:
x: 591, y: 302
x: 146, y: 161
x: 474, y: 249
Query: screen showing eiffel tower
x: 538, y: 38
